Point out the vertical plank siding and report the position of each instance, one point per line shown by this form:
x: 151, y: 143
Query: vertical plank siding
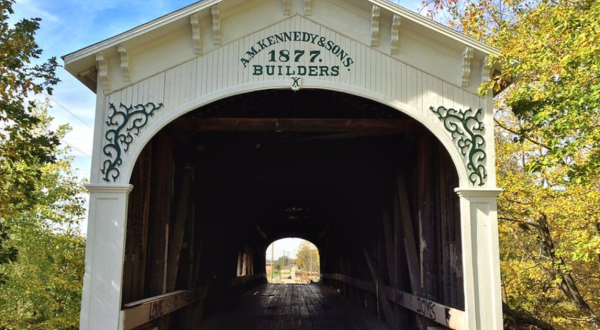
x: 162, y: 187
x: 134, y: 273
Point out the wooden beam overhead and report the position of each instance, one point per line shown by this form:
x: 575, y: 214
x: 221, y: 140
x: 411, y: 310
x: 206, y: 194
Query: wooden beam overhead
x: 294, y: 125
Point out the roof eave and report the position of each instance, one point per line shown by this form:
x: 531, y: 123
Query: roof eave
x: 137, y: 31
x: 435, y: 26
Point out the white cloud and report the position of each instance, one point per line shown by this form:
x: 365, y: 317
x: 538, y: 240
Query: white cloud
x: 29, y: 9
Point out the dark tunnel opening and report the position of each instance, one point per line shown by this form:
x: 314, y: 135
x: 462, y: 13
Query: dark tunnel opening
x: 214, y: 188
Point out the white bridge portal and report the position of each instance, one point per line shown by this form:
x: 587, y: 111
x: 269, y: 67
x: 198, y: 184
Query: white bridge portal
x: 217, y: 123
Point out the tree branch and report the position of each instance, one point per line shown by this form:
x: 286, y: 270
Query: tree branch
x: 525, y: 317
x: 521, y: 135
x: 567, y: 283
x: 521, y: 222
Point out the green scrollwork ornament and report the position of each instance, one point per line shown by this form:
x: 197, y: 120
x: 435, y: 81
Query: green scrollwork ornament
x: 124, y: 123
x: 467, y: 129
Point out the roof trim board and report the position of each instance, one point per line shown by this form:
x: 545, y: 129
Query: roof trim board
x: 140, y: 30
x: 435, y: 26
x: 201, y: 5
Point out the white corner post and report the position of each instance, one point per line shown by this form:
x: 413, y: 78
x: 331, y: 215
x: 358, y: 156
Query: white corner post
x: 481, y: 258
x: 101, y: 301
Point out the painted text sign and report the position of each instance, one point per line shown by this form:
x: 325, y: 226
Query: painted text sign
x: 296, y: 53
x: 450, y: 317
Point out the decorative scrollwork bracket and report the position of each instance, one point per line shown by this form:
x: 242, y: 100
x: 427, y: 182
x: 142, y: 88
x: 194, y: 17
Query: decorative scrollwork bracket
x: 124, y: 123
x: 466, y: 129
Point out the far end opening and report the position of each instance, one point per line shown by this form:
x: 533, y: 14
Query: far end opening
x: 292, y: 261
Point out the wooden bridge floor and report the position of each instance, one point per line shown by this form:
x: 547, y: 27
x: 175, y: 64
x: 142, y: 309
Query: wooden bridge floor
x: 294, y: 307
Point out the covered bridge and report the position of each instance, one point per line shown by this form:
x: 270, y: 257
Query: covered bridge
x: 229, y: 124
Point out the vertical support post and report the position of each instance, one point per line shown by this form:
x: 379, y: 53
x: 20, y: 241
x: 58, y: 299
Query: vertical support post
x: 481, y: 261
x: 102, y: 283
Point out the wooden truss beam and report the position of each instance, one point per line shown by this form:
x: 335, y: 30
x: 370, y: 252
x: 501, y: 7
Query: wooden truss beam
x: 294, y: 125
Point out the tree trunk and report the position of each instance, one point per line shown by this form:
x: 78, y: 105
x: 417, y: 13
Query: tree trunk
x: 525, y: 317
x: 559, y: 271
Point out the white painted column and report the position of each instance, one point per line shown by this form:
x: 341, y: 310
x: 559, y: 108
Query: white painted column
x: 481, y: 258
x: 101, y: 301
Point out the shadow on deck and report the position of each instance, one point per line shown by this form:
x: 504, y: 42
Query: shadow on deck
x: 294, y: 307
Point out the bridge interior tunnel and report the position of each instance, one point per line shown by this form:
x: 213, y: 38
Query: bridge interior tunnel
x: 360, y: 180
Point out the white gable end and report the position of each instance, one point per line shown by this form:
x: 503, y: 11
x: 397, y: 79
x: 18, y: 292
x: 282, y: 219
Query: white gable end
x: 208, y: 25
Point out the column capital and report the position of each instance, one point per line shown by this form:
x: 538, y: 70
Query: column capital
x: 478, y: 192
x: 108, y: 188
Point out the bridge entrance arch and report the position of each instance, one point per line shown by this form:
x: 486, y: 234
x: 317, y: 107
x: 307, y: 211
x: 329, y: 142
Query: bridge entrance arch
x: 221, y: 128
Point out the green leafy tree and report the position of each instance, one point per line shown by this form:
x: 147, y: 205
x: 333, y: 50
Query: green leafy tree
x: 548, y: 149
x: 42, y: 279
x: 42, y: 288
x: 550, y: 51
x: 308, y: 257
x: 284, y: 262
x: 550, y: 240
x: 22, y: 145
x: 41, y: 254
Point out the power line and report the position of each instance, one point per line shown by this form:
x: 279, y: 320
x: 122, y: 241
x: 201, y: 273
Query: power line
x: 67, y: 110
x: 72, y: 146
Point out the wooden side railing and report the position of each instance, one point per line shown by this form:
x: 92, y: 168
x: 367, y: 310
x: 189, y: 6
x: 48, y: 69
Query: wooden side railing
x: 147, y: 310
x: 450, y: 317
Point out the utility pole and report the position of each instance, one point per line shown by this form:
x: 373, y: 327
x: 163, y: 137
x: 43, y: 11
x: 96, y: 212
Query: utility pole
x: 272, y: 261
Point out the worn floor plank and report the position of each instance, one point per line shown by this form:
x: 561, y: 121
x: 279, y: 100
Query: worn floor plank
x: 294, y: 307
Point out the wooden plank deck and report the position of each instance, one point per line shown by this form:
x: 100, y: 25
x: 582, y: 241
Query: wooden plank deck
x: 294, y: 307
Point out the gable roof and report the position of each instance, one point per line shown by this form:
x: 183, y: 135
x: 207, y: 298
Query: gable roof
x: 82, y: 63
x: 181, y: 14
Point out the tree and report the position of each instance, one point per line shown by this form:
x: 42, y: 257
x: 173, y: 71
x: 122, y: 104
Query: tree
x: 284, y: 262
x: 22, y: 146
x: 41, y: 255
x: 548, y: 147
x: 557, y: 97
x: 550, y: 240
x: 552, y: 46
x: 42, y: 288
x: 42, y: 279
x: 308, y: 257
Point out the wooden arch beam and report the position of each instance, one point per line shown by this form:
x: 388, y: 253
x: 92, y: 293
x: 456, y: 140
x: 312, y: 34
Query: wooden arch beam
x: 294, y: 125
